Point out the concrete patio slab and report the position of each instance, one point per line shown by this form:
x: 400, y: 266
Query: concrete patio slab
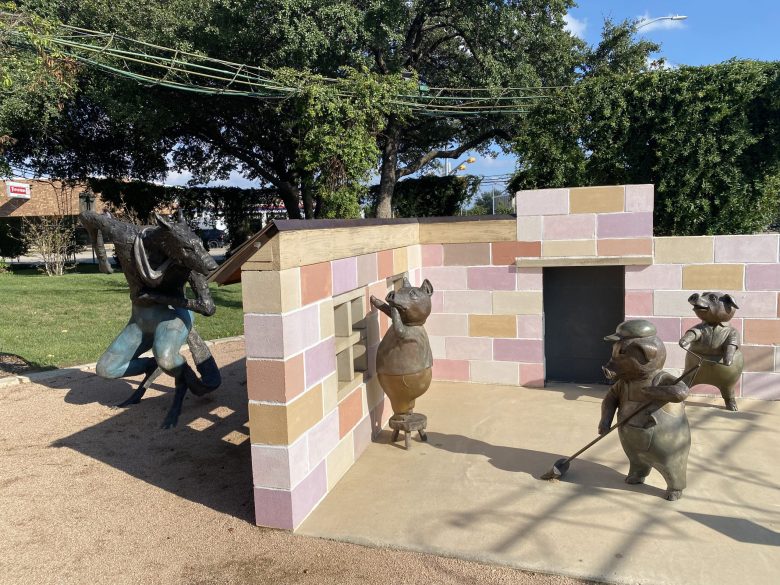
x: 472, y: 491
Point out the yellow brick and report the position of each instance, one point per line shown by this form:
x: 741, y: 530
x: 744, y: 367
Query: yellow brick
x: 272, y: 424
x: 415, y: 257
x: 596, y: 199
x: 684, y: 250
x: 492, y: 326
x: 330, y: 392
x: 327, y: 321
x: 400, y: 260
x: 271, y: 291
x: 340, y: 460
x: 554, y: 248
x: 517, y: 303
x: 705, y: 277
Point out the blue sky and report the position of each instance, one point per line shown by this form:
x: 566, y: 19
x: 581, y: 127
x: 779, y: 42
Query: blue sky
x: 715, y: 30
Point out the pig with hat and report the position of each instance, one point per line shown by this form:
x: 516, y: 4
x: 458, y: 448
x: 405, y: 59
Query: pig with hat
x: 658, y: 437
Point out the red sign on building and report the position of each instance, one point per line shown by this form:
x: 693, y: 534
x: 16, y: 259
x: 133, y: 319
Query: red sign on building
x: 18, y: 190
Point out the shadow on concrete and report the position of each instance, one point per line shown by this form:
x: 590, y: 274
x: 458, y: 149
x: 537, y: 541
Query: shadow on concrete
x: 205, y: 459
x: 739, y: 529
x: 535, y: 463
x: 571, y: 391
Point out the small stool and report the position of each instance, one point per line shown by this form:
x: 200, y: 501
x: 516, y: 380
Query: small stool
x: 408, y: 423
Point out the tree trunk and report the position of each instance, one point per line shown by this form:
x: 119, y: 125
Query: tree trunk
x: 291, y: 196
x: 389, y: 175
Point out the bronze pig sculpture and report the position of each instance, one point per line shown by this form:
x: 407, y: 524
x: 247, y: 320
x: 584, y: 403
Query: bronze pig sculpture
x: 659, y: 437
x: 404, y: 359
x: 716, y: 342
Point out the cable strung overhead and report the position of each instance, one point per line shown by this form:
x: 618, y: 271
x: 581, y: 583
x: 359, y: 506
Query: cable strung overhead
x: 186, y: 71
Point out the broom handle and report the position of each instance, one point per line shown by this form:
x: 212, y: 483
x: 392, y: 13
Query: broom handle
x: 629, y: 417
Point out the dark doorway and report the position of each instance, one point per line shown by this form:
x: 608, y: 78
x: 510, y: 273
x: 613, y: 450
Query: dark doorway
x: 582, y: 304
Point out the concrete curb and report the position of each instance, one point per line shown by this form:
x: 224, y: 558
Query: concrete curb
x: 48, y: 375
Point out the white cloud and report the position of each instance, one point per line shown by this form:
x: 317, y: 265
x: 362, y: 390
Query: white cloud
x: 575, y: 26
x: 645, y: 23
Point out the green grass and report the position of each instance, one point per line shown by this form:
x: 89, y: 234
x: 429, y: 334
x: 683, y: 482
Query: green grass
x: 69, y: 320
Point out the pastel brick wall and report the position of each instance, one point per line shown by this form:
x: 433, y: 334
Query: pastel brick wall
x: 307, y: 426
x: 746, y: 267
x: 587, y: 221
x: 486, y: 323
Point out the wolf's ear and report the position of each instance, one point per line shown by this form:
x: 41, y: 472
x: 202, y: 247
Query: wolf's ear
x: 162, y: 222
x: 427, y: 287
x: 728, y: 301
x: 406, y: 283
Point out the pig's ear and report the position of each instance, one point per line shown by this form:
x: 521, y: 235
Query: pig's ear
x: 728, y: 301
x: 693, y: 298
x: 427, y: 287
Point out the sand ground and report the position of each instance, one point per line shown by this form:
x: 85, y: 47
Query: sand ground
x: 94, y: 494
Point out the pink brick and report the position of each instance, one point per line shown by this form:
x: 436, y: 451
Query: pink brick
x: 532, y: 375
x: 438, y: 346
x: 469, y: 348
x: 569, y: 227
x: 624, y: 225
x: 279, y: 467
x: 639, y: 198
x: 468, y: 301
x: 543, y: 202
x: 704, y: 390
x: 456, y: 370
x: 762, y: 276
x: 361, y: 435
x: 263, y: 336
x: 755, y: 304
x: 432, y: 255
x: 764, y: 385
x: 689, y: 323
x: 446, y: 277
x: 301, y: 329
x: 518, y: 350
x: 323, y: 438
x: 530, y: 327
x: 447, y: 325
x: 307, y: 494
x: 273, y: 508
x: 758, y: 248
x: 675, y: 356
x: 320, y: 361
x: 437, y: 302
x: 492, y: 278
x: 638, y: 303
x: 654, y: 277
x: 668, y: 328
x: 367, y: 269
x: 529, y: 279
x: 344, y: 273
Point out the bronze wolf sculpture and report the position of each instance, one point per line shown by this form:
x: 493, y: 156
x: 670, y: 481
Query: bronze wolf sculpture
x: 157, y: 262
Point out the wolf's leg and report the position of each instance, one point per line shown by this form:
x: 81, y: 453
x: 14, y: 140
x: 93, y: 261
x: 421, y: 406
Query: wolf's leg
x: 169, y: 336
x: 210, y: 378
x: 121, y: 359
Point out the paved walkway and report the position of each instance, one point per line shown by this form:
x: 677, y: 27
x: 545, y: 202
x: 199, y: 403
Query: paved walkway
x: 93, y: 494
x: 472, y: 491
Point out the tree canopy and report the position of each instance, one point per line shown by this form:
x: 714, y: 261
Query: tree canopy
x: 707, y: 137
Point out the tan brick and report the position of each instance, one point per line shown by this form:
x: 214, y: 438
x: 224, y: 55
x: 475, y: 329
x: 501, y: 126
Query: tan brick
x: 272, y: 424
x: 684, y: 250
x: 467, y: 254
x: 492, y: 326
x: 330, y: 392
x: 414, y: 255
x: 625, y: 247
x: 400, y: 260
x: 762, y: 331
x: 327, y: 323
x: 596, y: 199
x: 340, y: 460
x: 759, y: 358
x: 554, y: 248
x: 714, y: 277
x: 271, y: 291
x: 517, y: 303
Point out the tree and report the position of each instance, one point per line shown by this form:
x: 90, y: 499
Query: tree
x: 428, y: 196
x: 707, y: 137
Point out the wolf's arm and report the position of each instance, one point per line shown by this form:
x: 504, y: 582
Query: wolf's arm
x: 95, y: 224
x: 203, y: 302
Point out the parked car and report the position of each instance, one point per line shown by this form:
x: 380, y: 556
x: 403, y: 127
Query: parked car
x: 212, y: 238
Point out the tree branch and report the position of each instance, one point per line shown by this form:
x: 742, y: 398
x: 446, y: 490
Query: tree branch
x: 454, y: 153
